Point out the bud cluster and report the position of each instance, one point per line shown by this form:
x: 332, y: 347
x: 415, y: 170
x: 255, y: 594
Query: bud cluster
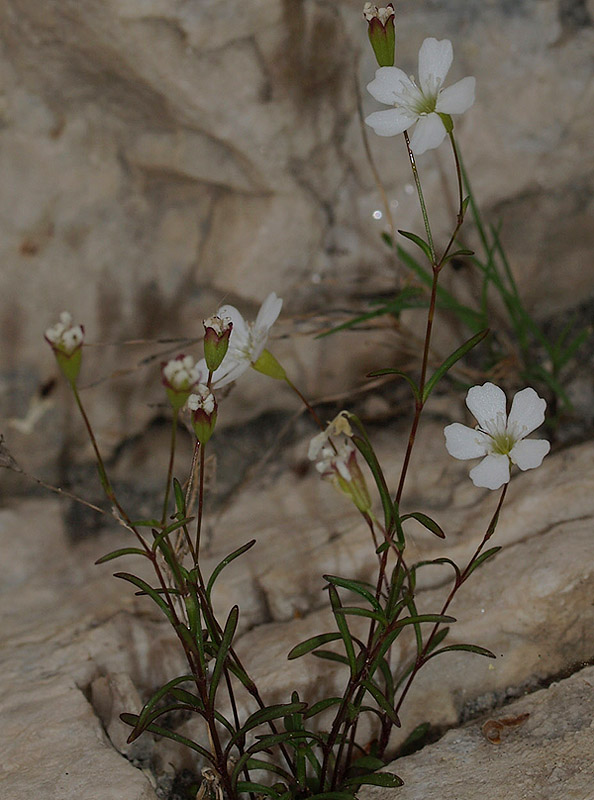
x: 66, y: 341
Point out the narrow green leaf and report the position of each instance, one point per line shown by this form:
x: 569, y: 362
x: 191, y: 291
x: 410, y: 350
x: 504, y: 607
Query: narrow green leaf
x: 130, y: 719
x: 419, y: 242
x: 364, y: 446
x: 328, y: 655
x: 377, y: 373
x: 260, y: 788
x: 343, y: 628
x: 355, y: 611
x: 256, y: 763
x: 311, y: 644
x: 321, y: 705
x: 227, y: 560
x: 161, y: 535
x: 223, y: 651
x: 481, y: 559
x: 332, y: 796
x: 439, y: 561
x: 451, y: 360
x: 354, y: 586
x: 147, y: 589
x: 180, y: 499
x: 124, y: 551
x: 387, y: 779
x: 382, y: 702
x: 367, y: 763
x: 145, y: 523
x: 158, y: 695
x: 426, y: 522
x: 468, y: 648
x: 266, y: 715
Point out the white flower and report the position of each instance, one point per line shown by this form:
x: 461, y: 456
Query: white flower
x: 202, y: 400
x: 422, y: 103
x: 64, y: 336
x: 248, y: 339
x: 181, y: 374
x: 498, y: 437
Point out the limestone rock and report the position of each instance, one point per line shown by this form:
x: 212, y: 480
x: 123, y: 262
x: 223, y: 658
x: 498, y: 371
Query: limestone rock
x: 159, y: 156
x: 547, y: 757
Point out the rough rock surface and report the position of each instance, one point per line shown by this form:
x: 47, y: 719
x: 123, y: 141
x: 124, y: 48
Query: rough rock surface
x: 548, y: 756
x: 158, y: 156
x: 78, y: 648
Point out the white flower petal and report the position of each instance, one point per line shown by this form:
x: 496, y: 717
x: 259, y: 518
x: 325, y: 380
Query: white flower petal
x: 390, y: 122
x: 491, y: 473
x: 429, y: 133
x: 487, y: 403
x: 458, y: 98
x: 230, y: 370
x: 239, y: 332
x: 435, y: 60
x: 268, y: 313
x: 527, y: 413
x: 463, y: 442
x: 388, y: 82
x: 529, y: 453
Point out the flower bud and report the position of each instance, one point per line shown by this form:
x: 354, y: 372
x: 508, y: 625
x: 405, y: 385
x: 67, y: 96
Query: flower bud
x: 66, y: 341
x: 203, y: 408
x: 217, y: 331
x: 179, y: 376
x: 382, y: 34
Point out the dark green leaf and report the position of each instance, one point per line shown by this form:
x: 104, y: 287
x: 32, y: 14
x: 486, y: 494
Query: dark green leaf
x: 354, y: 586
x: 328, y: 655
x: 469, y: 648
x: 256, y: 763
x: 223, y: 650
x: 399, y: 373
x: 343, y: 628
x: 311, y: 644
x: 363, y: 444
x: 387, y: 779
x: 131, y: 719
x: 321, y: 705
x: 355, y: 611
x: 266, y: 715
x: 419, y: 242
x: 146, y: 589
x: 382, y: 702
x: 227, y: 560
x: 260, y: 788
x: 124, y: 551
x: 426, y: 522
x: 481, y: 560
x: 180, y: 500
x: 451, y: 360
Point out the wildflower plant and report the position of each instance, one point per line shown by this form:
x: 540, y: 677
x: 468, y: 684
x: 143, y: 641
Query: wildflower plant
x: 309, y: 747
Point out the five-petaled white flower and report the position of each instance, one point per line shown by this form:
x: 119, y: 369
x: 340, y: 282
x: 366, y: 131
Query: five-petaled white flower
x: 498, y: 437
x: 248, y: 339
x: 423, y: 103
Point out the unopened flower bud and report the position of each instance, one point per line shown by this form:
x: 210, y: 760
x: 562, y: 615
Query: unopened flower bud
x: 382, y: 34
x: 203, y: 408
x: 179, y: 377
x: 217, y: 331
x: 66, y: 341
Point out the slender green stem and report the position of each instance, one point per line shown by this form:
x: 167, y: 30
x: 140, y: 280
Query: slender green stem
x: 306, y: 403
x: 107, y: 487
x: 200, y: 503
x: 459, y: 580
x: 417, y: 180
x: 170, y: 467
